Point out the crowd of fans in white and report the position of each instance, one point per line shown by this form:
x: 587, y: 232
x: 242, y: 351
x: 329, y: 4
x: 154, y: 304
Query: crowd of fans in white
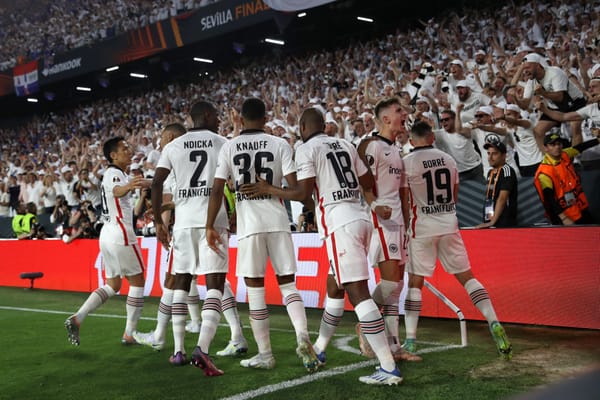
x: 468, y: 63
x: 31, y: 29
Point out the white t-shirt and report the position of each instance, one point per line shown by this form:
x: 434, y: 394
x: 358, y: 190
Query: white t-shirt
x: 336, y: 167
x: 459, y: 147
x: 525, y: 145
x: 432, y: 175
x: 481, y: 137
x: 474, y: 101
x: 591, y: 116
x: 116, y: 212
x: 388, y: 169
x: 556, y: 80
x: 244, y: 157
x: 192, y: 160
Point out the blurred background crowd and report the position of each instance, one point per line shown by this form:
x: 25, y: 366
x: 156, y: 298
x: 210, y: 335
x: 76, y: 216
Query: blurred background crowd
x: 470, y: 62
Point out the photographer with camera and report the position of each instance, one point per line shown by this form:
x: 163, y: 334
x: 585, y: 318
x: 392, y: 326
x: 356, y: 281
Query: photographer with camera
x: 143, y: 216
x: 61, y: 216
x: 306, y: 221
x: 83, y: 222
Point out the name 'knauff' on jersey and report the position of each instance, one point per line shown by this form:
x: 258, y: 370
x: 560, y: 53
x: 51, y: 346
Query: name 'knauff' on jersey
x: 256, y: 153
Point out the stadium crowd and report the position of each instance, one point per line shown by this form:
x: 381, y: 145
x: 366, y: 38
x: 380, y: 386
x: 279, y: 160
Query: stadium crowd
x: 450, y: 73
x: 33, y: 29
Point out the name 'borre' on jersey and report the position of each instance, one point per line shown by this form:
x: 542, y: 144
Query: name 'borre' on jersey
x: 192, y: 160
x: 336, y: 166
x: 256, y: 153
x: 432, y: 175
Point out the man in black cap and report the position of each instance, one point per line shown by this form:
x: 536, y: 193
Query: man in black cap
x: 559, y: 185
x: 500, y: 205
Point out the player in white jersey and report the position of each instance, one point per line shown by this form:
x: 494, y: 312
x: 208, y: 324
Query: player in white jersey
x: 433, y: 183
x: 263, y: 229
x: 156, y: 338
x: 192, y: 159
x: 332, y: 169
x: 118, y: 244
x: 389, y: 214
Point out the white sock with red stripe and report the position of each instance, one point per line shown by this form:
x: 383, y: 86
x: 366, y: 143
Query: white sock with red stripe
x: 373, y: 327
x: 211, y: 315
x: 94, y: 300
x: 259, y: 319
x: 135, y: 305
x: 179, y: 312
x: 164, y: 314
x: 230, y: 312
x: 295, y: 308
x: 193, y: 302
x: 412, y: 309
x: 391, y: 314
x: 481, y: 299
x: 332, y: 315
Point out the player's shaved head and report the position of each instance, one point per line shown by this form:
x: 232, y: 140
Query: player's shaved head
x: 204, y: 115
x: 176, y: 129
x: 311, y: 121
x: 253, y: 109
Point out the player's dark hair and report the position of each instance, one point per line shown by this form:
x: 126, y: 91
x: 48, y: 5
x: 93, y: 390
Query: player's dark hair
x: 385, y: 103
x: 200, y: 110
x: 420, y: 129
x: 177, y: 129
x: 111, y: 145
x: 313, y: 119
x: 253, y: 109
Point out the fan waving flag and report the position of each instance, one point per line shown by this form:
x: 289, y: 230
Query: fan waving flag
x: 295, y: 5
x: 25, y: 77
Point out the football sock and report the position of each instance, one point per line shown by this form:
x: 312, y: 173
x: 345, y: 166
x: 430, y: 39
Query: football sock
x: 95, y: 300
x: 134, y: 306
x: 295, y: 308
x: 373, y: 327
x: 193, y: 302
x: 230, y: 312
x: 332, y: 315
x: 179, y: 312
x: 259, y: 319
x: 481, y: 299
x: 391, y: 315
x: 163, y: 316
x: 412, y: 309
x: 211, y: 315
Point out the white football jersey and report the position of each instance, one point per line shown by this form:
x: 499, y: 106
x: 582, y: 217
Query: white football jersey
x: 432, y: 175
x: 335, y: 165
x: 256, y: 153
x: 192, y: 160
x: 387, y: 167
x: 117, y: 213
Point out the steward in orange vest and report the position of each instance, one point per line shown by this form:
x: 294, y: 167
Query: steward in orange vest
x: 559, y: 185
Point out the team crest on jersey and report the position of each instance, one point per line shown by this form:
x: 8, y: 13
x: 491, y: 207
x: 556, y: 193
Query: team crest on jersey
x: 393, y: 248
x: 370, y: 159
x: 116, y: 179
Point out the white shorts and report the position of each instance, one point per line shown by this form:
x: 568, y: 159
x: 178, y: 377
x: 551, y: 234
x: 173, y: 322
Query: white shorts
x: 388, y: 244
x: 121, y: 260
x: 191, y: 254
x: 347, y: 252
x: 424, y: 253
x: 254, y: 250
